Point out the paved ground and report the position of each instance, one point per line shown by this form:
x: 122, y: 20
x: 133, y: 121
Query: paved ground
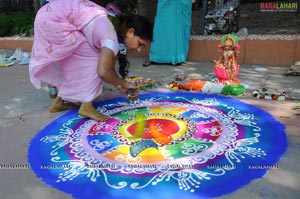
x: 24, y: 112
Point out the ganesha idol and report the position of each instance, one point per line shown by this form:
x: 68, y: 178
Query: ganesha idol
x: 226, y: 68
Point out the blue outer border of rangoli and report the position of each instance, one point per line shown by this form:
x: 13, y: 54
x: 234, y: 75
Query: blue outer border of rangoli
x: 236, y: 181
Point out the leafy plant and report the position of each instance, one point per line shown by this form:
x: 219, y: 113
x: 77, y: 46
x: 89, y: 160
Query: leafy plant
x: 16, y: 23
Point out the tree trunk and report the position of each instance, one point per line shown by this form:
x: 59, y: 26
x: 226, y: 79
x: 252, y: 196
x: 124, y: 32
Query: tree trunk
x: 147, y: 8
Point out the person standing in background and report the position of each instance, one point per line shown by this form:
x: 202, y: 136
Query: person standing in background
x: 171, y: 34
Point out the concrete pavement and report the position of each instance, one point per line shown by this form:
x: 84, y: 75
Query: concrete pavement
x: 24, y: 112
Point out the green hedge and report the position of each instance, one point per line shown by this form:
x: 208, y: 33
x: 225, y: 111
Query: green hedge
x: 18, y: 23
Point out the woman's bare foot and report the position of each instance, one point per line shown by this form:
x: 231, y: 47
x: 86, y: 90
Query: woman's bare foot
x: 88, y: 110
x: 61, y: 105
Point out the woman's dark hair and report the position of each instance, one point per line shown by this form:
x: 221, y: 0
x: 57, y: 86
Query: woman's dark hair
x: 142, y: 28
x: 141, y: 25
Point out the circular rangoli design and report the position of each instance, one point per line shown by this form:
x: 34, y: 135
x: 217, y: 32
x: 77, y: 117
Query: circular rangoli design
x: 165, y: 145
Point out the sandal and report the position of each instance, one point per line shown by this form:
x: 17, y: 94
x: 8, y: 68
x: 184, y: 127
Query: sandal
x: 147, y: 63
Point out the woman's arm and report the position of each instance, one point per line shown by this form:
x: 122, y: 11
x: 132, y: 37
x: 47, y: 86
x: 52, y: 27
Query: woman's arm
x: 106, y: 68
x: 106, y: 71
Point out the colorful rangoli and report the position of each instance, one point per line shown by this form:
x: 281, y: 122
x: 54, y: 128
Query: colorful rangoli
x: 166, y: 145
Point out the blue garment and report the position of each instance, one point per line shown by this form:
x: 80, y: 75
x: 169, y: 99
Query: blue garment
x: 171, y: 34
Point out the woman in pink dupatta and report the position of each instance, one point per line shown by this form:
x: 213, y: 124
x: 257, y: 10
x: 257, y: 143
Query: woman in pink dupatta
x: 75, y: 47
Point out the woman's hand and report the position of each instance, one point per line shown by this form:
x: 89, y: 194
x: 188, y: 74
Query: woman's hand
x: 130, y: 91
x: 106, y: 71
